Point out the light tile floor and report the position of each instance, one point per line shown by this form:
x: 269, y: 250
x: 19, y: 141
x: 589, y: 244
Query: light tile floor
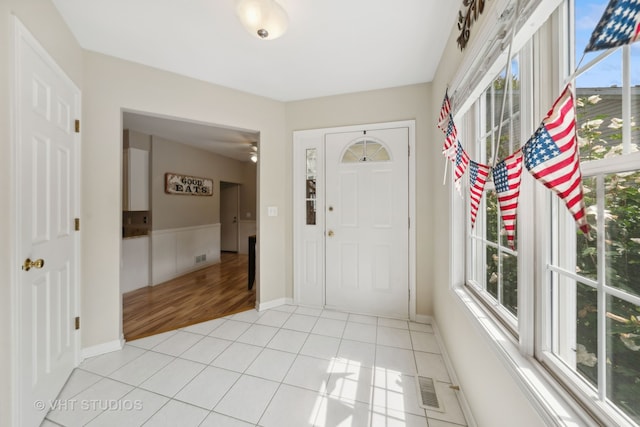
x: 289, y: 366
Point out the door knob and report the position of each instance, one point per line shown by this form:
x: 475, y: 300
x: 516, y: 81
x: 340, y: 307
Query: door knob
x: 330, y: 233
x: 28, y: 264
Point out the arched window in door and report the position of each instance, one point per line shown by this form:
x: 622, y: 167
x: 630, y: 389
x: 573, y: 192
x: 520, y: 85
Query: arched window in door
x: 366, y: 150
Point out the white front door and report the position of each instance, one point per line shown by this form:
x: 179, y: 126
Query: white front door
x: 47, y: 203
x: 366, y: 222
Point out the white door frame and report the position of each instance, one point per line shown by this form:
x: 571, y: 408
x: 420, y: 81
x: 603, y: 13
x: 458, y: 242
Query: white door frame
x: 308, y: 241
x: 21, y: 33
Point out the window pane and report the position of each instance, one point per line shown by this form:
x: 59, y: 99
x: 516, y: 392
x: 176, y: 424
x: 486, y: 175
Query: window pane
x: 622, y: 228
x: 493, y: 263
x: 509, y: 279
x: 587, y: 247
x: 599, y: 109
x: 623, y: 356
x: 488, y: 112
x: 491, y: 204
x: 311, y: 186
x: 587, y: 333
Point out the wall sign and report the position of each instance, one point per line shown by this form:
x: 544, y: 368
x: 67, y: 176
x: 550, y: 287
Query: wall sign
x: 474, y: 10
x: 187, y: 185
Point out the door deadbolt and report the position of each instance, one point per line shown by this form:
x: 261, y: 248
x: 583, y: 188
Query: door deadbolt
x: 28, y: 264
x: 330, y: 233
x: 330, y: 208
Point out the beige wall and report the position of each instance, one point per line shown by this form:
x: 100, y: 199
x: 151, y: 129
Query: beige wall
x: 111, y: 85
x: 44, y: 22
x: 493, y: 395
x: 175, y: 211
x: 248, y: 193
x: 386, y: 105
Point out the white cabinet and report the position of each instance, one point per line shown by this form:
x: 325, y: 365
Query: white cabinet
x: 136, y: 191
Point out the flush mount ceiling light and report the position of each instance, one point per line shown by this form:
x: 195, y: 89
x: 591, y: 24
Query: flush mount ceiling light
x: 265, y: 19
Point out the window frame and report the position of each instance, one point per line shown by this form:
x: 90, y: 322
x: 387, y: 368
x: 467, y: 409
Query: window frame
x: 525, y: 348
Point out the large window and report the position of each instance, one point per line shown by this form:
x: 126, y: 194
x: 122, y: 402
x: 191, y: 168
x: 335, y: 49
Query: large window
x: 493, y: 273
x: 593, y: 289
x: 581, y: 316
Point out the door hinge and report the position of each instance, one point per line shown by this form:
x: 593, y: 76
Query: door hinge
x: 76, y: 223
x: 77, y: 323
x: 409, y: 222
x: 409, y: 150
x: 77, y: 126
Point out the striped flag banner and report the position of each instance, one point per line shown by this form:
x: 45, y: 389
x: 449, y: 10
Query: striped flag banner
x: 478, y: 175
x: 506, y: 177
x: 462, y: 161
x: 551, y: 155
x: 619, y: 25
x: 449, y: 149
x: 445, y: 112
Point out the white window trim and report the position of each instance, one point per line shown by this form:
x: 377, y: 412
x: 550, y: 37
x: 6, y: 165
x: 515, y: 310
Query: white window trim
x: 557, y: 405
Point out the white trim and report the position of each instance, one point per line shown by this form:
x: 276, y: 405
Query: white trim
x: 483, y: 63
x: 274, y: 303
x: 107, y: 347
x: 552, y: 404
x: 423, y: 318
x: 20, y: 32
x: 298, y: 220
x: 462, y: 399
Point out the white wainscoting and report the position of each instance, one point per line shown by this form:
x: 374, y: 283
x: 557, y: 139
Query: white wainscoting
x: 246, y: 228
x: 174, y: 251
x: 134, y: 264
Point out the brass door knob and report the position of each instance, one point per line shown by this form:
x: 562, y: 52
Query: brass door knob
x: 330, y: 233
x: 28, y: 264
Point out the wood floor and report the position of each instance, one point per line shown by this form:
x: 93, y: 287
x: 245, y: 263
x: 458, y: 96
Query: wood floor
x: 215, y: 291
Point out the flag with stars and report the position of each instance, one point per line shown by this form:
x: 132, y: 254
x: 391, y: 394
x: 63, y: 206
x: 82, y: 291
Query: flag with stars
x: 506, y: 177
x: 445, y: 112
x: 462, y: 160
x: 619, y: 25
x: 449, y: 149
x: 478, y: 174
x: 551, y: 155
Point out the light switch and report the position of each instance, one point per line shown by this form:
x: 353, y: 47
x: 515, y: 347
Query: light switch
x: 272, y: 211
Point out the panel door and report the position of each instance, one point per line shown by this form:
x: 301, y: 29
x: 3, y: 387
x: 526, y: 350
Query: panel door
x: 47, y: 173
x: 366, y: 221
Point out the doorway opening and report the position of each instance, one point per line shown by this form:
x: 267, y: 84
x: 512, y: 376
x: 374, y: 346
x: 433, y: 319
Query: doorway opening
x: 185, y: 256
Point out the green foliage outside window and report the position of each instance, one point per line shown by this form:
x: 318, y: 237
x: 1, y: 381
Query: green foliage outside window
x: 600, y: 137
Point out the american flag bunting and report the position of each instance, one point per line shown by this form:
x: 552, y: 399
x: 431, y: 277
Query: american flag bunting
x: 506, y: 177
x: 553, y: 158
x: 445, y: 112
x: 619, y: 25
x: 478, y: 174
x: 462, y: 161
x: 449, y: 149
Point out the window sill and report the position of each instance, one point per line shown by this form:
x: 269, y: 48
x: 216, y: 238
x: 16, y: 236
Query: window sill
x: 554, y: 405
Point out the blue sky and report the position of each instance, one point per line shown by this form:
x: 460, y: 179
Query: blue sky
x: 607, y: 73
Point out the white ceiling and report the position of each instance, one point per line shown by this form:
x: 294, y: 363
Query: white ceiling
x: 331, y: 46
x: 229, y: 142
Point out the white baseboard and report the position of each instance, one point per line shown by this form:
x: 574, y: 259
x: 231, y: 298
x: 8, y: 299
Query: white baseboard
x: 107, y: 347
x: 423, y: 318
x: 273, y: 303
x: 464, y: 404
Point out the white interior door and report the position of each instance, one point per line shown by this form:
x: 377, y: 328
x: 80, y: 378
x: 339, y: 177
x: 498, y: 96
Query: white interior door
x: 47, y: 175
x: 229, y: 210
x: 366, y: 222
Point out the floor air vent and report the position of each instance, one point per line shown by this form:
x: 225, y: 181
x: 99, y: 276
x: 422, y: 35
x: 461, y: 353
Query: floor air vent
x: 428, y: 395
